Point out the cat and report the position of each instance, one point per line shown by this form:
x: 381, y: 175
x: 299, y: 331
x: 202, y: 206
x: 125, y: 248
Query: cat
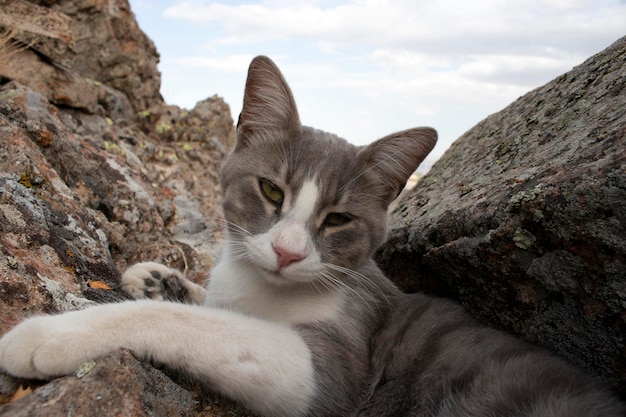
x: 297, y: 319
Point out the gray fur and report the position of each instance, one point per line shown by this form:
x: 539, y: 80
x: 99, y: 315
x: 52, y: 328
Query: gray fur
x: 389, y: 354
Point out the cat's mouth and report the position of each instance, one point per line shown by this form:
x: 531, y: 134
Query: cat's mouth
x: 279, y: 277
x: 275, y: 276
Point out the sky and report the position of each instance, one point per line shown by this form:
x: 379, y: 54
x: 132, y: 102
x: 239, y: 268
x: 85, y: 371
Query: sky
x: 363, y: 69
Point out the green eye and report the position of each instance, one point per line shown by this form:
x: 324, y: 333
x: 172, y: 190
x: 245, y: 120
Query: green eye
x: 337, y: 219
x: 271, y: 191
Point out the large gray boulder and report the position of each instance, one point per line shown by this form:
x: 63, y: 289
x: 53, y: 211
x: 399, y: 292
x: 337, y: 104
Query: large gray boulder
x: 524, y: 219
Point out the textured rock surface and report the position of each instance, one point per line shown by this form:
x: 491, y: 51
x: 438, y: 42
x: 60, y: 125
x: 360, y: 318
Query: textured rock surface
x: 524, y: 218
x: 96, y: 173
x: 86, y: 42
x: 119, y: 385
x: 114, y: 385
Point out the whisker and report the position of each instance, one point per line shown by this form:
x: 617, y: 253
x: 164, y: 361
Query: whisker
x: 339, y: 283
x: 363, y: 281
x: 235, y: 226
x: 330, y: 281
x: 322, y: 281
x: 241, y: 257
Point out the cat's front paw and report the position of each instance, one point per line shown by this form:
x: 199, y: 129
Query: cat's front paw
x: 39, y: 348
x: 158, y: 282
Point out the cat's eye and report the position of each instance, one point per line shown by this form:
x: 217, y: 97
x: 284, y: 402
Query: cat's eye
x: 337, y: 219
x: 271, y: 191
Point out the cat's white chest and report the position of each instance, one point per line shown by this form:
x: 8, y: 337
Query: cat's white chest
x: 238, y: 287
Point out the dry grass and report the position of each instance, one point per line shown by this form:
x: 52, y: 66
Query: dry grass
x: 8, y: 47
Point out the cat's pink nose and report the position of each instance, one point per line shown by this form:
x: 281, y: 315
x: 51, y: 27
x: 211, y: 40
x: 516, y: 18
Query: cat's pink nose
x: 285, y: 257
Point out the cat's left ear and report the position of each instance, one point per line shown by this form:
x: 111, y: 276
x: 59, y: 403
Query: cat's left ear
x: 397, y: 156
x: 268, y: 104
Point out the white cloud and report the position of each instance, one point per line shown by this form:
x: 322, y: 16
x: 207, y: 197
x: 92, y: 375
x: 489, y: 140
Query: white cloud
x: 451, y: 47
x: 403, y: 62
x: 471, y: 26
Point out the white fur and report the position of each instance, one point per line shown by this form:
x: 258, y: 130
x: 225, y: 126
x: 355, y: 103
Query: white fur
x: 239, y: 286
x: 304, y: 205
x: 265, y: 365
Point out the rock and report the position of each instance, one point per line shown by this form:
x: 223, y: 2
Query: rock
x: 90, y: 183
x: 88, y: 55
x: 42, y: 30
x: 202, y: 124
x: 119, y: 385
x: 524, y: 219
x: 47, y: 61
x: 125, y: 59
x: 47, y: 233
x: 116, y: 385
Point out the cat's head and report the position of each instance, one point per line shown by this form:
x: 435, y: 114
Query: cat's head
x: 300, y: 203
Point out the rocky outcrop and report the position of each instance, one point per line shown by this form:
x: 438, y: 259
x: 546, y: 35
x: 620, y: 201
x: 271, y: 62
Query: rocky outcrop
x: 524, y: 219
x: 96, y: 173
x: 86, y: 54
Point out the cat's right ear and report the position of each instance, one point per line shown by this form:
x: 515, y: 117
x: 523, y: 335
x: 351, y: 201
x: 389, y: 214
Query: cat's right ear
x: 395, y: 157
x: 268, y: 104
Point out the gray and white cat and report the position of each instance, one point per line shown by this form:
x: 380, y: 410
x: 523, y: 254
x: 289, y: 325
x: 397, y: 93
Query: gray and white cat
x: 297, y: 319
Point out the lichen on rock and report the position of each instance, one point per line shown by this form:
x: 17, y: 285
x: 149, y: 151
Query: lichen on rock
x: 523, y: 219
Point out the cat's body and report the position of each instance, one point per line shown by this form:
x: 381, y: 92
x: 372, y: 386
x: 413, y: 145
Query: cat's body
x: 297, y: 319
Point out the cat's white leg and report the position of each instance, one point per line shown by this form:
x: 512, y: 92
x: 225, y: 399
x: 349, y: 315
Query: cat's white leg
x: 158, y: 282
x: 264, y: 365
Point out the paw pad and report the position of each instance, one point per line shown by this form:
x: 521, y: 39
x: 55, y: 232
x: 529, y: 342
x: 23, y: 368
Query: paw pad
x: 151, y: 280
